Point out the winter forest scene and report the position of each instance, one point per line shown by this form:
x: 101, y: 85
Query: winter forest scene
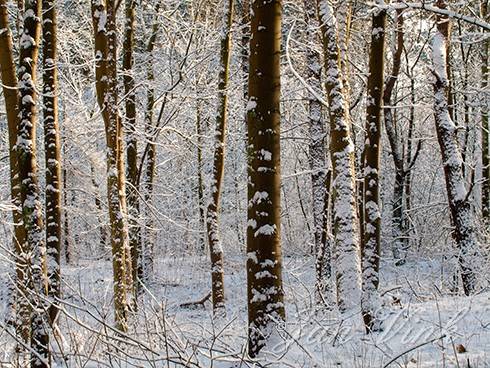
x: 244, y: 183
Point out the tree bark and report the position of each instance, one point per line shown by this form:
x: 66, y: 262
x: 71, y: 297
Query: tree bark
x: 212, y: 220
x: 318, y: 156
x: 28, y: 178
x: 485, y: 129
x: 370, y: 253
x: 145, y: 269
x: 397, y: 228
x: 200, y: 177
x: 52, y: 149
x: 104, y: 19
x: 132, y: 142
x: 460, y: 208
x: 11, y: 97
x: 345, y: 223
x: 264, y: 264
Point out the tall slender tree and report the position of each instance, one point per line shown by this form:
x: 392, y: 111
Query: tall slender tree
x: 345, y: 222
x: 11, y: 97
x: 145, y: 266
x: 264, y: 264
x: 52, y: 151
x: 212, y: 220
x: 318, y: 155
x: 25, y: 147
x: 485, y: 122
x: 104, y: 22
x: 397, y: 228
x: 458, y: 196
x: 132, y: 188
x: 371, y: 251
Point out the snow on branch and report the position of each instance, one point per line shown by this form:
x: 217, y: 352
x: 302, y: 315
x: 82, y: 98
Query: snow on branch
x: 299, y: 77
x: 433, y: 9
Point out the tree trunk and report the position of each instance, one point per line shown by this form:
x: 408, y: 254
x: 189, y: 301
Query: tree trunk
x: 461, y: 214
x: 200, y: 177
x: 11, y: 96
x: 145, y: 269
x: 397, y: 204
x: 345, y: 223
x: 212, y: 220
x: 52, y: 149
x: 318, y: 154
x: 485, y: 129
x: 371, y: 251
x: 264, y: 264
x: 106, y: 84
x: 132, y: 142
x: 66, y: 222
x: 28, y: 177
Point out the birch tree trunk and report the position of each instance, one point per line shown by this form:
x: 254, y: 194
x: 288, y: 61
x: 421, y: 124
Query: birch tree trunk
x: 345, y: 222
x: 212, y: 220
x: 104, y: 19
x: 460, y: 208
x: 264, y: 264
x: 371, y: 252
x: 28, y: 178
x: 52, y: 149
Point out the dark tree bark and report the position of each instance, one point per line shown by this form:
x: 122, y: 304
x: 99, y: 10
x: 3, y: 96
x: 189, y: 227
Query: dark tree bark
x: 52, y: 149
x: 264, y: 274
x: 215, y: 246
x: 11, y: 97
x: 132, y: 188
x: 104, y: 21
x: 28, y: 179
x: 371, y: 251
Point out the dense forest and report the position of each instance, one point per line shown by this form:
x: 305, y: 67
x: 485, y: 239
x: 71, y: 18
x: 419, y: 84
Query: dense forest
x: 244, y: 183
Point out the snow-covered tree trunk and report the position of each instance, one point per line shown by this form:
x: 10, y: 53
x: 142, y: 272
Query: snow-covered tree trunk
x: 34, y: 246
x: 52, y: 150
x: 212, y: 219
x: 372, y: 165
x: 345, y: 223
x: 145, y: 268
x: 104, y: 19
x: 11, y: 97
x: 460, y: 208
x: 485, y: 122
x: 397, y: 229
x: 131, y: 138
x: 318, y: 154
x: 264, y: 263
x: 67, y: 243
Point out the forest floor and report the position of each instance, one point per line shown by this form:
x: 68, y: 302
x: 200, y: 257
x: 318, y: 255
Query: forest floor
x: 425, y: 324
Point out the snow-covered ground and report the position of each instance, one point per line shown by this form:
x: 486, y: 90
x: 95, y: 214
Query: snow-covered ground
x: 426, y: 324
